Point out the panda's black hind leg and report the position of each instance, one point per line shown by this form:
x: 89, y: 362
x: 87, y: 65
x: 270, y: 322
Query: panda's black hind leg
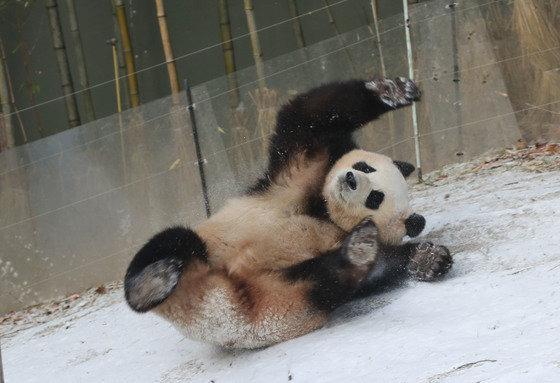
x: 395, y: 93
x: 155, y: 269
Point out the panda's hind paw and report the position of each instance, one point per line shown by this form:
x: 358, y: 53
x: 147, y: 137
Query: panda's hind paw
x: 429, y: 262
x: 409, y: 88
x: 395, y: 93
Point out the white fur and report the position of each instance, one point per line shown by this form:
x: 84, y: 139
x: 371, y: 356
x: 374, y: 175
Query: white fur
x: 387, y: 178
x: 240, y: 297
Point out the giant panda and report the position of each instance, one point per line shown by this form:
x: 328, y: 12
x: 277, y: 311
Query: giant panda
x: 323, y: 224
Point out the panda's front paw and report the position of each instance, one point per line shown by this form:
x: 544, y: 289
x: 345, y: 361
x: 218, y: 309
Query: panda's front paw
x: 360, y: 247
x: 429, y: 262
x: 395, y: 93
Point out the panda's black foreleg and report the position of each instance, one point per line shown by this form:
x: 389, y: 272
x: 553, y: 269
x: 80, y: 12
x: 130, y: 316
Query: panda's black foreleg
x: 335, y: 277
x: 421, y: 261
x: 323, y: 119
x: 155, y: 269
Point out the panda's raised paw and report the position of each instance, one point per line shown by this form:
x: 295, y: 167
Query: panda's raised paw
x: 395, y: 93
x: 360, y: 247
x: 429, y: 262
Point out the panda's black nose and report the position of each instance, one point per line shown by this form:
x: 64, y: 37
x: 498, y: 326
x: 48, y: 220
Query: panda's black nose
x: 351, y: 180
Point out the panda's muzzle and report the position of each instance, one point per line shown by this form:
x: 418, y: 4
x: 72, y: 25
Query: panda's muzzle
x: 414, y: 225
x: 351, y: 180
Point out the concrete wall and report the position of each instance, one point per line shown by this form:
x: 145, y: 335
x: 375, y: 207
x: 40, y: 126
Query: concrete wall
x: 76, y: 206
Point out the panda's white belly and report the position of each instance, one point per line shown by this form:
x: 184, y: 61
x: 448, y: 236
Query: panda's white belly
x: 248, y: 235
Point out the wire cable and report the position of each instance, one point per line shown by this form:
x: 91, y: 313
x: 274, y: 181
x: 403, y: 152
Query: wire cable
x: 163, y: 63
x: 231, y: 40
x: 182, y: 110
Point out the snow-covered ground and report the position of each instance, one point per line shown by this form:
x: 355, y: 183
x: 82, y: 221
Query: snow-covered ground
x: 495, y: 318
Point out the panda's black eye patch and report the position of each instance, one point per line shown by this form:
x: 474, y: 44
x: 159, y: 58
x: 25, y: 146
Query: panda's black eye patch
x: 374, y: 199
x: 363, y: 167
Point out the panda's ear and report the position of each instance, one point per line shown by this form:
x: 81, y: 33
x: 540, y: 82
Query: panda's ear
x: 405, y: 168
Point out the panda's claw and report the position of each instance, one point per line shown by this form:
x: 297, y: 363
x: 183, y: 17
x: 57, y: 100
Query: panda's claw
x: 410, y: 89
x: 429, y: 262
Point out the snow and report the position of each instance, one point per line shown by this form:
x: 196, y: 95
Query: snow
x: 495, y: 318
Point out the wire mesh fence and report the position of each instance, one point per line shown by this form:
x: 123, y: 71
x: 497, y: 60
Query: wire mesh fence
x: 76, y: 206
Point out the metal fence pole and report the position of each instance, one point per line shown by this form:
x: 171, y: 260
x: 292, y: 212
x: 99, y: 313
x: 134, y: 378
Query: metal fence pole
x: 456, y: 78
x: 200, y: 161
x: 383, y: 71
x: 411, y: 76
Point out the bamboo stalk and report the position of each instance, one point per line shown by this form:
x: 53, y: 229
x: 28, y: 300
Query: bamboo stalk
x: 337, y: 32
x: 296, y: 25
x: 113, y: 43
x: 227, y: 49
x: 128, y: 55
x: 6, y: 110
x: 120, y: 58
x: 80, y: 61
x: 29, y: 83
x: 167, y: 49
x: 62, y: 61
x: 11, y: 89
x: 255, y: 43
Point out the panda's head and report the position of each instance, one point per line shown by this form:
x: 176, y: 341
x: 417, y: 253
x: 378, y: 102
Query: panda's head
x: 363, y: 184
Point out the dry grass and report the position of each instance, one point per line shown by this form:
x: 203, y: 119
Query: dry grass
x: 533, y: 22
x: 243, y: 153
x: 266, y: 100
x: 524, y: 27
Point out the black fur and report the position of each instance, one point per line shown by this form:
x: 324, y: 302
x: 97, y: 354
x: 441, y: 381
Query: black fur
x: 316, y: 207
x: 172, y: 250
x: 374, y: 199
x: 395, y: 264
x: 334, y: 276
x: 414, y: 225
x: 390, y: 269
x: 363, y: 167
x: 323, y: 120
x: 328, y: 291
x: 405, y: 168
x: 320, y: 121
